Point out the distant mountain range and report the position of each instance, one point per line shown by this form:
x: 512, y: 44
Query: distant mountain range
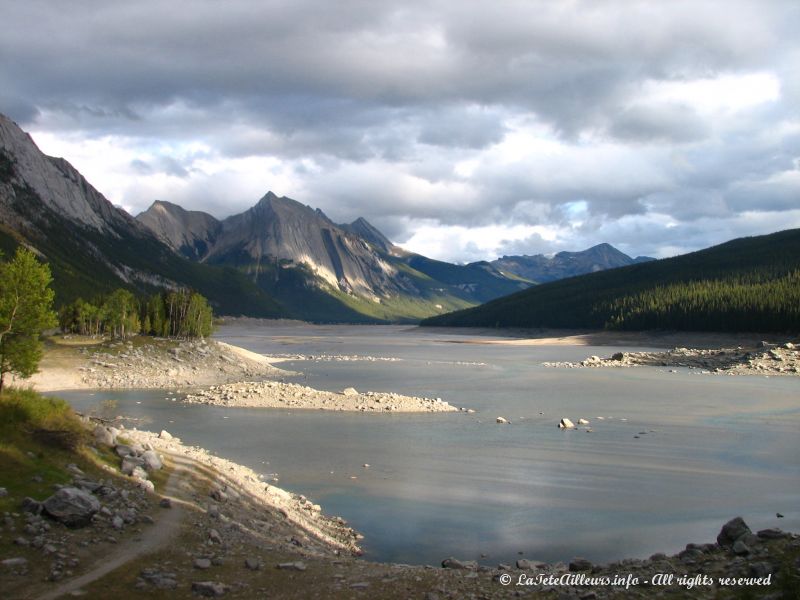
x: 541, y: 268
x: 279, y: 258
x: 747, y: 284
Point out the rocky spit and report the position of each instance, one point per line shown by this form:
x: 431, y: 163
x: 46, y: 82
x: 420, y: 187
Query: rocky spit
x: 170, y: 364
x: 762, y: 359
x: 273, y: 394
x: 232, y: 483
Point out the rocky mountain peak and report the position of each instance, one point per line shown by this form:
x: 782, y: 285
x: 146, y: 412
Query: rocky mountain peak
x: 60, y: 186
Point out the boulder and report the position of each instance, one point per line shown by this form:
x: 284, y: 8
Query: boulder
x: 139, y: 473
x: 454, y: 563
x: 165, y: 435
x: 202, y: 563
x: 252, y: 564
x: 525, y: 564
x: 103, y: 437
x: 772, y: 534
x: 350, y: 392
x: 732, y: 531
x: 123, y: 450
x: 3, y: 492
x: 29, y: 505
x: 152, y: 462
x: 580, y: 564
x: 583, y: 422
x: 565, y: 423
x: 72, y: 506
x: 740, y: 548
x: 129, y: 463
x: 292, y: 566
x: 502, y: 420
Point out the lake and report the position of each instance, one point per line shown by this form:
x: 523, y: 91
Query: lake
x: 670, y: 458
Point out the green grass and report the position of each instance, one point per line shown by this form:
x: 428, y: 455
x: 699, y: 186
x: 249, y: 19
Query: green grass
x: 25, y: 455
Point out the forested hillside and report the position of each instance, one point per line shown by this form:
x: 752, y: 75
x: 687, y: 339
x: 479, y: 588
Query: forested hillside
x: 748, y: 284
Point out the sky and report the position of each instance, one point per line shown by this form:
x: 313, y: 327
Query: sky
x: 463, y: 130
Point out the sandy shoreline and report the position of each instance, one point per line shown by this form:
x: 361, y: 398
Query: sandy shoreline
x: 561, y: 337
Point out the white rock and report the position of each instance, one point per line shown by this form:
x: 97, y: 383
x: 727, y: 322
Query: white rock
x: 565, y: 423
x: 502, y: 420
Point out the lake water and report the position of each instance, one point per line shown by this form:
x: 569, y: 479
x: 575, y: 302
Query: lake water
x: 439, y: 485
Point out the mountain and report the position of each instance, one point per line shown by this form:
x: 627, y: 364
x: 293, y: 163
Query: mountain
x: 93, y: 247
x: 748, y: 284
x: 541, y: 269
x: 324, y: 271
x: 188, y: 232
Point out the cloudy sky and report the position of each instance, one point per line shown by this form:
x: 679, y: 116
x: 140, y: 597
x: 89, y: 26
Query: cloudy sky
x: 464, y: 130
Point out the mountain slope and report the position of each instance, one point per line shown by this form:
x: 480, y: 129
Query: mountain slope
x: 189, y: 233
x: 541, y: 269
x: 748, y: 284
x: 323, y: 271
x: 92, y: 246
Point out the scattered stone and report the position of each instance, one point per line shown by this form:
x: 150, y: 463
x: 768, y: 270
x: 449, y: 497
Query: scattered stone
x: 214, y: 536
x: 580, y: 564
x: 117, y: 523
x: 3, y: 492
x: 209, y: 589
x: 565, y: 423
x: 454, y: 563
x: 103, y: 436
x: 202, y: 563
x: 123, y: 450
x: 72, y: 506
x: 252, y: 563
x: 15, y: 563
x: 740, y: 548
x: 29, y: 505
x: 583, y: 422
x: 165, y: 503
x: 161, y: 580
x: 772, y: 534
x: 502, y: 420
x: 292, y: 566
x: 165, y: 435
x: 151, y: 460
x: 525, y: 564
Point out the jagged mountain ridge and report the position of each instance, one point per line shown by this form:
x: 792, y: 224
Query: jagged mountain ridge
x: 296, y: 252
x: 542, y: 269
x: 92, y: 246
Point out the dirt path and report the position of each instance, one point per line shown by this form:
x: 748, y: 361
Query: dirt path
x: 157, y: 536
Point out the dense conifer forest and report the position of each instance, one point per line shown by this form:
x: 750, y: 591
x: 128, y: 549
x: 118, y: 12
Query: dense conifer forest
x: 748, y: 284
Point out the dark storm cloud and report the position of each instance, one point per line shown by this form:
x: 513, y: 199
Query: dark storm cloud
x: 399, y: 111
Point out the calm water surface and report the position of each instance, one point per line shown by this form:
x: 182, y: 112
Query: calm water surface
x: 709, y: 447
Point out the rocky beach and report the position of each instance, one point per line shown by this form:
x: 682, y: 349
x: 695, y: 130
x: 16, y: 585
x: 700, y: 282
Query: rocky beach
x: 763, y: 358
x: 273, y: 394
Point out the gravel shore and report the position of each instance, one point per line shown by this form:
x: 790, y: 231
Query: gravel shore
x: 273, y: 394
x: 760, y: 359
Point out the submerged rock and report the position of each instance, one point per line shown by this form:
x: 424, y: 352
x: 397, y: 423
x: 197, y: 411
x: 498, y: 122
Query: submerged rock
x: 565, y: 423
